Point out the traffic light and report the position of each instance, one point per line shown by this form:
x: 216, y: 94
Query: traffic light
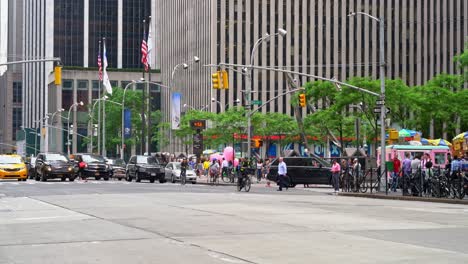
x: 216, y: 80
x: 302, y: 100
x: 225, y: 79
x: 256, y: 143
x: 58, y: 75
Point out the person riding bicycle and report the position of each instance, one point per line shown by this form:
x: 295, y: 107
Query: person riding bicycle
x: 214, y: 169
x: 224, y: 166
x: 244, y: 165
x: 183, y: 168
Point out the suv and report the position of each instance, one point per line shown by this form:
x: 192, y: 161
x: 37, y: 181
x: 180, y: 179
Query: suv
x: 91, y: 165
x: 144, y: 167
x: 303, y: 170
x: 52, y: 166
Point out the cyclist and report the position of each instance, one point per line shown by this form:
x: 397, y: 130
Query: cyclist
x: 214, y: 170
x: 183, y: 170
x: 244, y: 165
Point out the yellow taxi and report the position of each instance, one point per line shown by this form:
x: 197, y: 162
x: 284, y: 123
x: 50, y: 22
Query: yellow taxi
x: 13, y: 167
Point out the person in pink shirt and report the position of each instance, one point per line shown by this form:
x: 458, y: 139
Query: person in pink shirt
x: 335, y: 170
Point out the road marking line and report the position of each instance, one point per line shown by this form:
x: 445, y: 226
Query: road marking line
x: 40, y: 218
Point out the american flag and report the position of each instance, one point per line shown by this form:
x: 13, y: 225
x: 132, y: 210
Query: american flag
x: 99, y: 63
x: 144, y: 53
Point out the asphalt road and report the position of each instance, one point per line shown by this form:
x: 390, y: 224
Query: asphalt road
x: 120, y: 222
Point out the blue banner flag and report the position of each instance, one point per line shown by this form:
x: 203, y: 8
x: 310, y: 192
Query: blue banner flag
x: 127, y: 123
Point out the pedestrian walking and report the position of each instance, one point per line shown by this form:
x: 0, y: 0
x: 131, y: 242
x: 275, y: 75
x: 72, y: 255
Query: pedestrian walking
x: 406, y: 172
x: 335, y: 170
x: 395, y: 173
x: 282, y: 174
x: 259, y: 170
x: 356, y: 174
x: 206, y: 166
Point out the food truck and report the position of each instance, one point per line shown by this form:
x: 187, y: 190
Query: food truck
x: 439, y: 154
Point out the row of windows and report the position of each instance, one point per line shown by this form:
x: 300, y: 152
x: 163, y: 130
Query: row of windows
x: 17, y: 121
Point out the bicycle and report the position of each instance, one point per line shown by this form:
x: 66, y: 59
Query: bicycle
x: 227, y: 175
x: 183, y: 176
x: 244, y: 183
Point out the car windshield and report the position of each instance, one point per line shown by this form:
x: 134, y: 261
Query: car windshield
x: 176, y: 165
x: 116, y: 162
x: 93, y: 158
x: 55, y: 157
x: 10, y: 160
x: 146, y: 160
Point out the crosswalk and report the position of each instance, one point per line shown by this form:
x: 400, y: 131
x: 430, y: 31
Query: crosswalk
x: 33, y: 182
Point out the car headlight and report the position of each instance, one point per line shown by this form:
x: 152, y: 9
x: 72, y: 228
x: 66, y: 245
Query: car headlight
x: 70, y: 168
x: 48, y: 168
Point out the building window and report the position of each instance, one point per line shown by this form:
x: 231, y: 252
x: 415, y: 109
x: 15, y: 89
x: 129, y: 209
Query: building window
x: 17, y: 92
x: 134, y: 13
x: 82, y: 94
x: 17, y: 114
x: 68, y: 31
x: 103, y: 21
x: 67, y: 93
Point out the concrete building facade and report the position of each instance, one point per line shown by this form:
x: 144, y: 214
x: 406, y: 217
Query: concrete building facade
x: 421, y: 38
x: 72, y: 30
x: 11, y: 81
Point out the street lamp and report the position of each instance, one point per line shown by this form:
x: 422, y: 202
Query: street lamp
x: 52, y: 122
x: 213, y: 100
x: 68, y: 124
x: 237, y: 101
x: 383, y: 109
x: 185, y: 66
x: 266, y: 38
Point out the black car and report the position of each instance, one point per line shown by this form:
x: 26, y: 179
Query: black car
x: 53, y: 166
x: 91, y: 165
x: 141, y: 167
x: 303, y: 170
x: 118, y: 168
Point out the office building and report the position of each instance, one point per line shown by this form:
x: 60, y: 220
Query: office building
x: 421, y: 38
x: 11, y: 80
x: 71, y: 30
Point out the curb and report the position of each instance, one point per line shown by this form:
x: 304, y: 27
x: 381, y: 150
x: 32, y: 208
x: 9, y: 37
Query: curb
x: 406, y: 198
x: 219, y: 184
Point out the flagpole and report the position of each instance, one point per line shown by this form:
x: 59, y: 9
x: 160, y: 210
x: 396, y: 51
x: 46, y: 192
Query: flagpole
x: 104, y: 117
x: 99, y: 109
x: 148, y: 107
x: 143, y: 120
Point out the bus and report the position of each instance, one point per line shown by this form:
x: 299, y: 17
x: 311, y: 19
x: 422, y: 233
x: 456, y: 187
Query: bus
x: 439, y: 154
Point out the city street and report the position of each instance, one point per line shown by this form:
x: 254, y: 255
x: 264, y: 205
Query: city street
x: 121, y: 222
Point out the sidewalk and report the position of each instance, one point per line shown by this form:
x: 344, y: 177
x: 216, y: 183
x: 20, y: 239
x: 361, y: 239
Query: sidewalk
x: 399, y: 196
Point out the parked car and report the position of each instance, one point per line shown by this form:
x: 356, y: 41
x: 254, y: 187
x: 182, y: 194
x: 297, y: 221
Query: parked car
x: 142, y: 167
x: 91, y: 165
x: 13, y: 167
x: 303, y: 170
x: 53, y: 166
x: 172, y: 173
x: 118, y: 168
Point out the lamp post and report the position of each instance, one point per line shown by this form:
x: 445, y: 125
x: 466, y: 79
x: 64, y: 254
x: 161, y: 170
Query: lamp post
x: 68, y: 124
x: 237, y: 101
x: 123, y: 110
x: 213, y: 100
x: 184, y: 65
x: 248, y: 91
x: 383, y: 109
x: 52, y: 123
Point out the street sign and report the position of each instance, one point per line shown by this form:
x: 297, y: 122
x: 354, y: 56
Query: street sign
x: 197, y: 144
x: 377, y: 110
x: 380, y: 102
x: 256, y: 102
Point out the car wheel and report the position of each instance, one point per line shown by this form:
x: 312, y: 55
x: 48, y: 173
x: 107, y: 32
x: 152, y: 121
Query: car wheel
x: 106, y: 178
x: 97, y: 178
x: 137, y: 177
x: 152, y: 179
x: 162, y: 178
x: 172, y: 178
x: 71, y: 178
x: 194, y: 182
x: 119, y: 179
x: 20, y: 179
x: 43, y: 177
x: 63, y: 179
x: 128, y: 177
